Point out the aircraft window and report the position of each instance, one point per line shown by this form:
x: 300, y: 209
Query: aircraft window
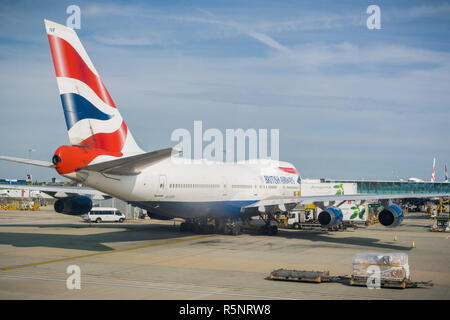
x: 102, y: 212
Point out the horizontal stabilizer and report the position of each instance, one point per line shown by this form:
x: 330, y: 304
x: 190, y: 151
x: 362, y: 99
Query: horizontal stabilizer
x: 59, y: 191
x: 131, y: 165
x: 28, y: 161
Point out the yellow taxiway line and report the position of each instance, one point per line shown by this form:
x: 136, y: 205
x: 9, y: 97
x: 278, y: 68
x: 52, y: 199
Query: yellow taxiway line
x: 108, y: 252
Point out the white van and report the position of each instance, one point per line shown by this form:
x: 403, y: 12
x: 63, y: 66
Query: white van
x: 103, y: 214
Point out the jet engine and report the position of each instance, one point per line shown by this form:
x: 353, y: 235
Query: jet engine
x: 391, y: 216
x: 331, y: 216
x: 74, y: 205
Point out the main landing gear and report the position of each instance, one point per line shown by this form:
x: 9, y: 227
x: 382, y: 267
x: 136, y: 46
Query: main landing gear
x: 268, y: 229
x: 205, y: 226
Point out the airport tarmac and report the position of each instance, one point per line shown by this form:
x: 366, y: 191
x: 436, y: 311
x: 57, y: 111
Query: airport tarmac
x: 151, y: 259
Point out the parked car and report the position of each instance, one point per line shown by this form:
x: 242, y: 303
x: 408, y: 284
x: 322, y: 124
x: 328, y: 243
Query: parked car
x: 103, y: 214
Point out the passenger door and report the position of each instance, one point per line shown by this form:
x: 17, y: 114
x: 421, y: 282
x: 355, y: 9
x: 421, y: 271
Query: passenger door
x: 161, y: 190
x: 224, y: 187
x: 255, y: 186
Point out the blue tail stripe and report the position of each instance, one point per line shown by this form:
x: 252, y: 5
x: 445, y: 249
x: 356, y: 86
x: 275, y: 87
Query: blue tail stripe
x: 77, y: 108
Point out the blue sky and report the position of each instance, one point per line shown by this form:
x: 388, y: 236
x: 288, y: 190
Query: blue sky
x: 349, y: 102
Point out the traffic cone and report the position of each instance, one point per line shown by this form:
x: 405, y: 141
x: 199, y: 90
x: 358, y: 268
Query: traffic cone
x: 395, y: 237
x: 413, y: 245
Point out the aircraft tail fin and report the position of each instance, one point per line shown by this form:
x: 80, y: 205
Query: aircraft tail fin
x: 92, y: 118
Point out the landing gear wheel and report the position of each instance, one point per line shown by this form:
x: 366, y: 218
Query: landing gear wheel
x: 206, y: 228
x: 219, y: 226
x: 235, y: 230
x: 269, y: 230
x: 263, y: 230
x: 197, y: 228
x: 273, y: 230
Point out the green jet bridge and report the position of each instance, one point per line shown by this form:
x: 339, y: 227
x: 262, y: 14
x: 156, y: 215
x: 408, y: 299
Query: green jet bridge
x: 383, y: 187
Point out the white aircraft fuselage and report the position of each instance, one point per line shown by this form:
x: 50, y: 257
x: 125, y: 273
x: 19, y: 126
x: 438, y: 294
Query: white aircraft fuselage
x: 174, y: 188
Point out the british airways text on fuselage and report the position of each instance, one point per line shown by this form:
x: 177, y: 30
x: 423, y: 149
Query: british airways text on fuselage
x: 279, y: 180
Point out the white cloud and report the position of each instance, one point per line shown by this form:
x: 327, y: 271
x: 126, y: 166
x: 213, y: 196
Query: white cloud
x: 105, y: 10
x: 123, y: 41
x: 428, y: 10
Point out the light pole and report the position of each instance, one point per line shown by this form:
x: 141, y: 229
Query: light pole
x: 29, y: 166
x: 29, y: 174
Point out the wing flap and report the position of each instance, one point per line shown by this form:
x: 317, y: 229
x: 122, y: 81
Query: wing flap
x: 39, y: 163
x: 59, y: 191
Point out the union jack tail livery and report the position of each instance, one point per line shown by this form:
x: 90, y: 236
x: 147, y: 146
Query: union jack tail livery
x: 93, y: 120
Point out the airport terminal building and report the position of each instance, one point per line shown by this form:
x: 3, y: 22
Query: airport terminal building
x: 384, y: 186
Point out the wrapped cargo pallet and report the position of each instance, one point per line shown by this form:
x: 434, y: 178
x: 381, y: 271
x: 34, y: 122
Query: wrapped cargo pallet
x: 392, y: 266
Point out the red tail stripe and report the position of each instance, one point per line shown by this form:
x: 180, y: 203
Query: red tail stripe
x: 289, y: 170
x: 113, y: 141
x: 74, y: 157
x: 68, y: 63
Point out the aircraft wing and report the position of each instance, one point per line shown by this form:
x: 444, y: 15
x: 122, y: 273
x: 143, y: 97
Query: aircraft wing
x: 60, y: 192
x: 272, y: 201
x: 131, y: 165
x: 28, y: 161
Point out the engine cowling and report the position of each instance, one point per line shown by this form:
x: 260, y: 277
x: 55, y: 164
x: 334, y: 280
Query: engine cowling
x: 74, y: 205
x: 391, y: 216
x: 68, y: 159
x: 331, y: 216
